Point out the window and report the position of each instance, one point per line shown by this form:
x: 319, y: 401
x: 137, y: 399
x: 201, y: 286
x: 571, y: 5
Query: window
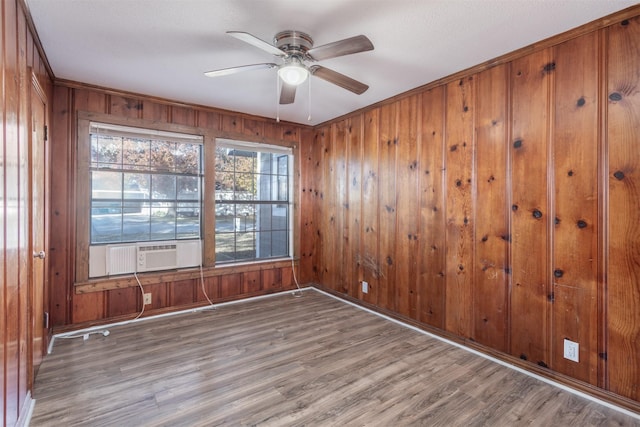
x: 252, y: 202
x: 144, y: 185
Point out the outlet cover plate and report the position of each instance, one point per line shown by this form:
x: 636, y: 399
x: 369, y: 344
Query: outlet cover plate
x: 365, y: 287
x: 147, y: 298
x: 571, y: 350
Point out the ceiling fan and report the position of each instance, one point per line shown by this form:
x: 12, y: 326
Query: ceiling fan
x: 296, y: 49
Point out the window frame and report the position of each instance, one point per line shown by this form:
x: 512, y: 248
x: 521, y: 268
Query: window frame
x: 79, y: 200
x: 153, y: 172
x: 278, y: 151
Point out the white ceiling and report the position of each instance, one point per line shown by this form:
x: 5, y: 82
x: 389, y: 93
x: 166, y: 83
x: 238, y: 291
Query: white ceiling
x: 163, y: 47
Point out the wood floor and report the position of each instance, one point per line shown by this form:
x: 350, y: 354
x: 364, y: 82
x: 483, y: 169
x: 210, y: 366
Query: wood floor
x: 280, y: 361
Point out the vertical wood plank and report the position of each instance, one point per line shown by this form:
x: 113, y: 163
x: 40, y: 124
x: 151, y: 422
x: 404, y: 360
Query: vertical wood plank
x: 123, y: 301
x: 251, y: 282
x: 231, y: 123
x: 431, y: 279
x: 230, y: 286
x: 459, y: 158
x: 13, y: 221
x: 87, y: 307
x: 60, y: 263
x: 181, y: 292
x: 318, y: 206
x: 253, y: 128
x: 29, y: 309
x: 340, y: 205
x: 208, y: 120
x: 387, y: 193
x: 271, y: 279
x: 89, y: 100
x: 407, y: 226
x: 530, y: 216
x: 623, y: 134
x: 492, y: 238
x: 326, y: 200
x: 183, y: 115
x: 211, y: 287
x: 576, y: 234
x: 353, y: 240
x: 286, y: 278
x: 290, y: 132
x: 155, y: 111
x: 158, y: 293
x: 122, y: 106
x: 307, y: 232
x: 371, y: 269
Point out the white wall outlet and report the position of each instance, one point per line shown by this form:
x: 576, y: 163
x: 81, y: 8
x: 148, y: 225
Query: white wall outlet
x: 571, y: 350
x: 365, y: 287
x: 147, y: 298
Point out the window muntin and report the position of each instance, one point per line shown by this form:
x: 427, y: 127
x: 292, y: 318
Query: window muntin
x: 253, y: 216
x: 144, y: 186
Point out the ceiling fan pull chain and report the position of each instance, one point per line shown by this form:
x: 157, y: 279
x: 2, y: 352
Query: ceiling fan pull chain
x: 309, y: 118
x: 277, y: 98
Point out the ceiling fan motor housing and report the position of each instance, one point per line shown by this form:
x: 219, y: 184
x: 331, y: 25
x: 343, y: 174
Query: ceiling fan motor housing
x: 294, y: 43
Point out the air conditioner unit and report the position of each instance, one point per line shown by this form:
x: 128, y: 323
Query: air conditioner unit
x: 154, y: 256
x: 129, y: 258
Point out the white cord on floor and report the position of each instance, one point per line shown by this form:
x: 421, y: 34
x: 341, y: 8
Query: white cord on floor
x: 203, y: 288
x: 106, y: 332
x: 297, y: 293
x: 204, y: 291
x: 141, y: 293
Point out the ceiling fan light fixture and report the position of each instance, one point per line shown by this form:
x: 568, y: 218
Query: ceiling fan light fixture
x: 293, y: 73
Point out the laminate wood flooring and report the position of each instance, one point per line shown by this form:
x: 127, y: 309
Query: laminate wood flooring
x: 285, y: 361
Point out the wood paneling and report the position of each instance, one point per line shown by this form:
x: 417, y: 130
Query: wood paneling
x: 340, y: 205
x: 61, y: 245
x: 431, y: 263
x: 371, y: 269
x: 353, y: 220
x: 459, y: 160
x: 492, y: 235
x: 407, y: 226
x: 576, y: 230
x: 530, y: 213
x: 388, y: 143
x: 524, y: 202
x: 623, y: 176
x: 251, y: 282
x: 97, y: 302
x: 22, y: 300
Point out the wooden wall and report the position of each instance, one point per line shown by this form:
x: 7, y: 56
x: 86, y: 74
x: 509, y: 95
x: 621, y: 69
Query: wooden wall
x: 500, y: 207
x: 99, y: 301
x: 20, y: 62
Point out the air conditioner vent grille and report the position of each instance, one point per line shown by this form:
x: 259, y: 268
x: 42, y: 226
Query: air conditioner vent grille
x: 157, y: 248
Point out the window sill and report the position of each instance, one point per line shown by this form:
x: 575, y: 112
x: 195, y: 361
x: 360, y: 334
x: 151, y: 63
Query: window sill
x: 129, y: 280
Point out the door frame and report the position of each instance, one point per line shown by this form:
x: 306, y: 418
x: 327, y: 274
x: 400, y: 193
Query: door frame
x: 36, y: 90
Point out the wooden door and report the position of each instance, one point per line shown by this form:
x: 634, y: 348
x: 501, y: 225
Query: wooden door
x: 38, y: 227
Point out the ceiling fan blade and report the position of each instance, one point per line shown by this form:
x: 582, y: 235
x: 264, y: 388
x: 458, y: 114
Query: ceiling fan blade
x: 287, y: 94
x: 254, y: 41
x: 338, y: 79
x: 234, y: 70
x: 340, y: 48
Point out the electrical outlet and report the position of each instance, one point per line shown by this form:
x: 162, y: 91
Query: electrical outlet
x: 571, y: 350
x: 147, y: 298
x: 365, y: 287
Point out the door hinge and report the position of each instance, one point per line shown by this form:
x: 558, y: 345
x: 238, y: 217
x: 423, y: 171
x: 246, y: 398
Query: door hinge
x: 45, y: 319
x: 46, y: 132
